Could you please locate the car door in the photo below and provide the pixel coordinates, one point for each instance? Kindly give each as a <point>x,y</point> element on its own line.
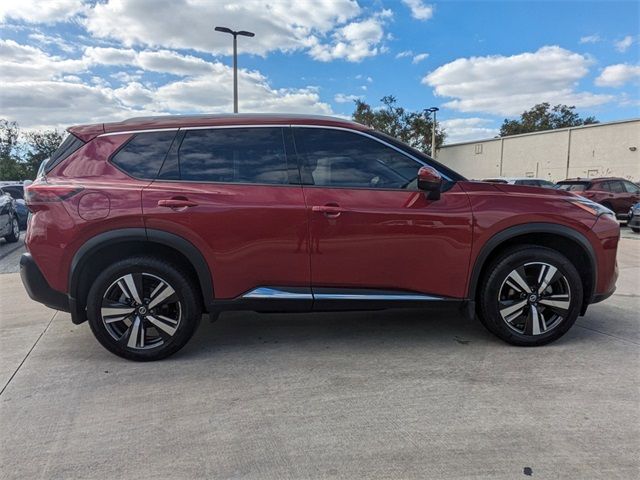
<point>372,232</point>
<point>233,194</point>
<point>616,196</point>
<point>632,194</point>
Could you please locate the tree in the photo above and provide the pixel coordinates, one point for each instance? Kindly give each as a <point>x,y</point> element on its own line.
<point>21,154</point>
<point>413,128</point>
<point>41,144</point>
<point>544,117</point>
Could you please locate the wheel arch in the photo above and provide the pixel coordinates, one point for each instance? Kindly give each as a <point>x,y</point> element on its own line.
<point>99,251</point>
<point>558,237</point>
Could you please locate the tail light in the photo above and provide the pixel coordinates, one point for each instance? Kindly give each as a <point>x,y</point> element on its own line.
<point>38,195</point>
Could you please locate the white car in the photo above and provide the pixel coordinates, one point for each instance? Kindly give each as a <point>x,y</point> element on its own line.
<point>526,181</point>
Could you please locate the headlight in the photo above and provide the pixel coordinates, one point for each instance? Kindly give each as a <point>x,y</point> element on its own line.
<point>592,207</point>
<point>635,210</point>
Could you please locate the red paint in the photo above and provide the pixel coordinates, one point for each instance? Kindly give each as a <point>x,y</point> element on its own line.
<point>292,235</point>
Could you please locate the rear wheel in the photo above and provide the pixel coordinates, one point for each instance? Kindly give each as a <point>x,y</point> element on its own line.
<point>531,296</point>
<point>14,235</point>
<point>143,308</point>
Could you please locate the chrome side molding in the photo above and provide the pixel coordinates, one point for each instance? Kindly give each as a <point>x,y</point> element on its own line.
<point>299,294</point>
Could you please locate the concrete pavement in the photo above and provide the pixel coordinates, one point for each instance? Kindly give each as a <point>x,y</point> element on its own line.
<point>361,395</point>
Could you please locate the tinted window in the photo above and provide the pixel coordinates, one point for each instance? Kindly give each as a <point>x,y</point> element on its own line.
<point>573,187</point>
<point>345,159</point>
<point>528,183</point>
<point>234,155</point>
<point>15,191</point>
<point>616,187</point>
<point>631,187</point>
<point>143,155</point>
<point>68,146</point>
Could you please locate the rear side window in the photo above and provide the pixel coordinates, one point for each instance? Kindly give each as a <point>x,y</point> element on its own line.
<point>142,156</point>
<point>616,187</point>
<point>68,146</point>
<point>234,155</point>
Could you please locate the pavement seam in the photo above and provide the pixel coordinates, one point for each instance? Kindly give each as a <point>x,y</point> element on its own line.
<point>608,335</point>
<point>28,353</point>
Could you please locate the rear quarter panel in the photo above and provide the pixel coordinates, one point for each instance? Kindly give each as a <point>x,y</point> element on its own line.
<point>109,200</point>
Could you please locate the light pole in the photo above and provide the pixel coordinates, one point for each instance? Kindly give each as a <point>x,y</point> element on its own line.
<point>433,131</point>
<point>235,59</point>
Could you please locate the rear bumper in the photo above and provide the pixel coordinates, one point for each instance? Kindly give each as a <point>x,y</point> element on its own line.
<point>37,286</point>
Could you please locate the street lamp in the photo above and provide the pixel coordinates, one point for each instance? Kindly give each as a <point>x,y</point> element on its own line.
<point>235,59</point>
<point>433,131</point>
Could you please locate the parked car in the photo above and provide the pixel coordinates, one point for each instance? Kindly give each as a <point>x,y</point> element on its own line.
<point>617,194</point>
<point>9,228</point>
<point>528,182</point>
<point>17,192</point>
<point>139,226</point>
<point>634,218</point>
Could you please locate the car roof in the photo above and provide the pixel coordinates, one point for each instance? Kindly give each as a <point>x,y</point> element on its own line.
<point>513,179</point>
<point>87,132</point>
<point>590,180</point>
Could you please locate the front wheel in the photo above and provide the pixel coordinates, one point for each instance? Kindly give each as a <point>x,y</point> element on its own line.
<point>143,308</point>
<point>531,296</point>
<point>14,235</point>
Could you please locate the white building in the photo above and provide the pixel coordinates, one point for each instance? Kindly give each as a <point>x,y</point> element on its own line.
<point>601,150</point>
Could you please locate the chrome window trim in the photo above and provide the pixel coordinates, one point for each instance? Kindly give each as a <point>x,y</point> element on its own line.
<point>326,127</point>
<point>130,132</point>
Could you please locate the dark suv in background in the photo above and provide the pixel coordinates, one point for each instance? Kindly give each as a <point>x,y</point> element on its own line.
<point>617,194</point>
<point>140,226</point>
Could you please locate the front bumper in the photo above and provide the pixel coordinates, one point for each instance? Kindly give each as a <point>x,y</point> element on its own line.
<point>634,222</point>
<point>37,286</point>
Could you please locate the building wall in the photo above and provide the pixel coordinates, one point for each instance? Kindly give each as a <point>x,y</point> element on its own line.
<point>594,151</point>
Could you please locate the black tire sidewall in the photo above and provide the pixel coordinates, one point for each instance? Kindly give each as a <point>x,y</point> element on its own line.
<point>498,272</point>
<point>179,281</point>
<point>11,237</point>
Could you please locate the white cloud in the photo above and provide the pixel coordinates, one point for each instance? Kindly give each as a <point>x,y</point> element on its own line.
<point>419,10</point>
<point>55,40</point>
<point>354,42</point>
<point>509,85</point>
<point>624,44</point>
<point>591,39</point>
<point>286,25</point>
<point>420,57</point>
<point>41,91</point>
<point>39,11</point>
<point>618,75</point>
<point>404,54</point>
<point>464,129</point>
<point>343,98</point>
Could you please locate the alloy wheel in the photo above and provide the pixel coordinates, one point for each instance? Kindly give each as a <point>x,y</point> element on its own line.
<point>534,298</point>
<point>141,311</point>
<point>16,227</point>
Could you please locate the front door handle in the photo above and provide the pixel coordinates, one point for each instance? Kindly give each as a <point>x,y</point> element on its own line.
<point>330,210</point>
<point>177,203</point>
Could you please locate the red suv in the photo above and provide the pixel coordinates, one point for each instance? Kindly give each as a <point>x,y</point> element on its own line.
<point>140,226</point>
<point>617,194</point>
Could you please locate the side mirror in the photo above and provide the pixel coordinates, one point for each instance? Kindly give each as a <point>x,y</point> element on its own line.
<point>430,181</point>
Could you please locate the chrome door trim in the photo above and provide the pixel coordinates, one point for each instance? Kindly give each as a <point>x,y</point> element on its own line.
<point>276,294</point>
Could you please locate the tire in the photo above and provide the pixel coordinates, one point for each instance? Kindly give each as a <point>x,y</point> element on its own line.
<point>540,314</point>
<point>143,308</point>
<point>635,229</point>
<point>14,236</point>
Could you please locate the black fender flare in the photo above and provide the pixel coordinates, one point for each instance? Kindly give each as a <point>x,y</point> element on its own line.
<point>185,247</point>
<point>528,228</point>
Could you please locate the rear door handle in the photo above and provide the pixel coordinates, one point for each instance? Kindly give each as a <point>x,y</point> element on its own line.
<point>177,203</point>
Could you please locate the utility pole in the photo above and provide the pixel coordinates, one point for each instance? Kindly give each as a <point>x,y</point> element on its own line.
<point>433,131</point>
<point>235,34</point>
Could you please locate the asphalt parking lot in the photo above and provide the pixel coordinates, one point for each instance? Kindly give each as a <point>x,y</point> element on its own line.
<point>390,394</point>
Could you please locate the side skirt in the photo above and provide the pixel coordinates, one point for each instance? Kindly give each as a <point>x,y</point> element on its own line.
<point>301,299</point>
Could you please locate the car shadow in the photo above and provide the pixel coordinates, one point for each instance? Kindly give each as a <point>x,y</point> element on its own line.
<point>318,331</point>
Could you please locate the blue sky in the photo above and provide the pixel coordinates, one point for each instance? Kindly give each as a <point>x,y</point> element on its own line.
<point>64,62</point>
